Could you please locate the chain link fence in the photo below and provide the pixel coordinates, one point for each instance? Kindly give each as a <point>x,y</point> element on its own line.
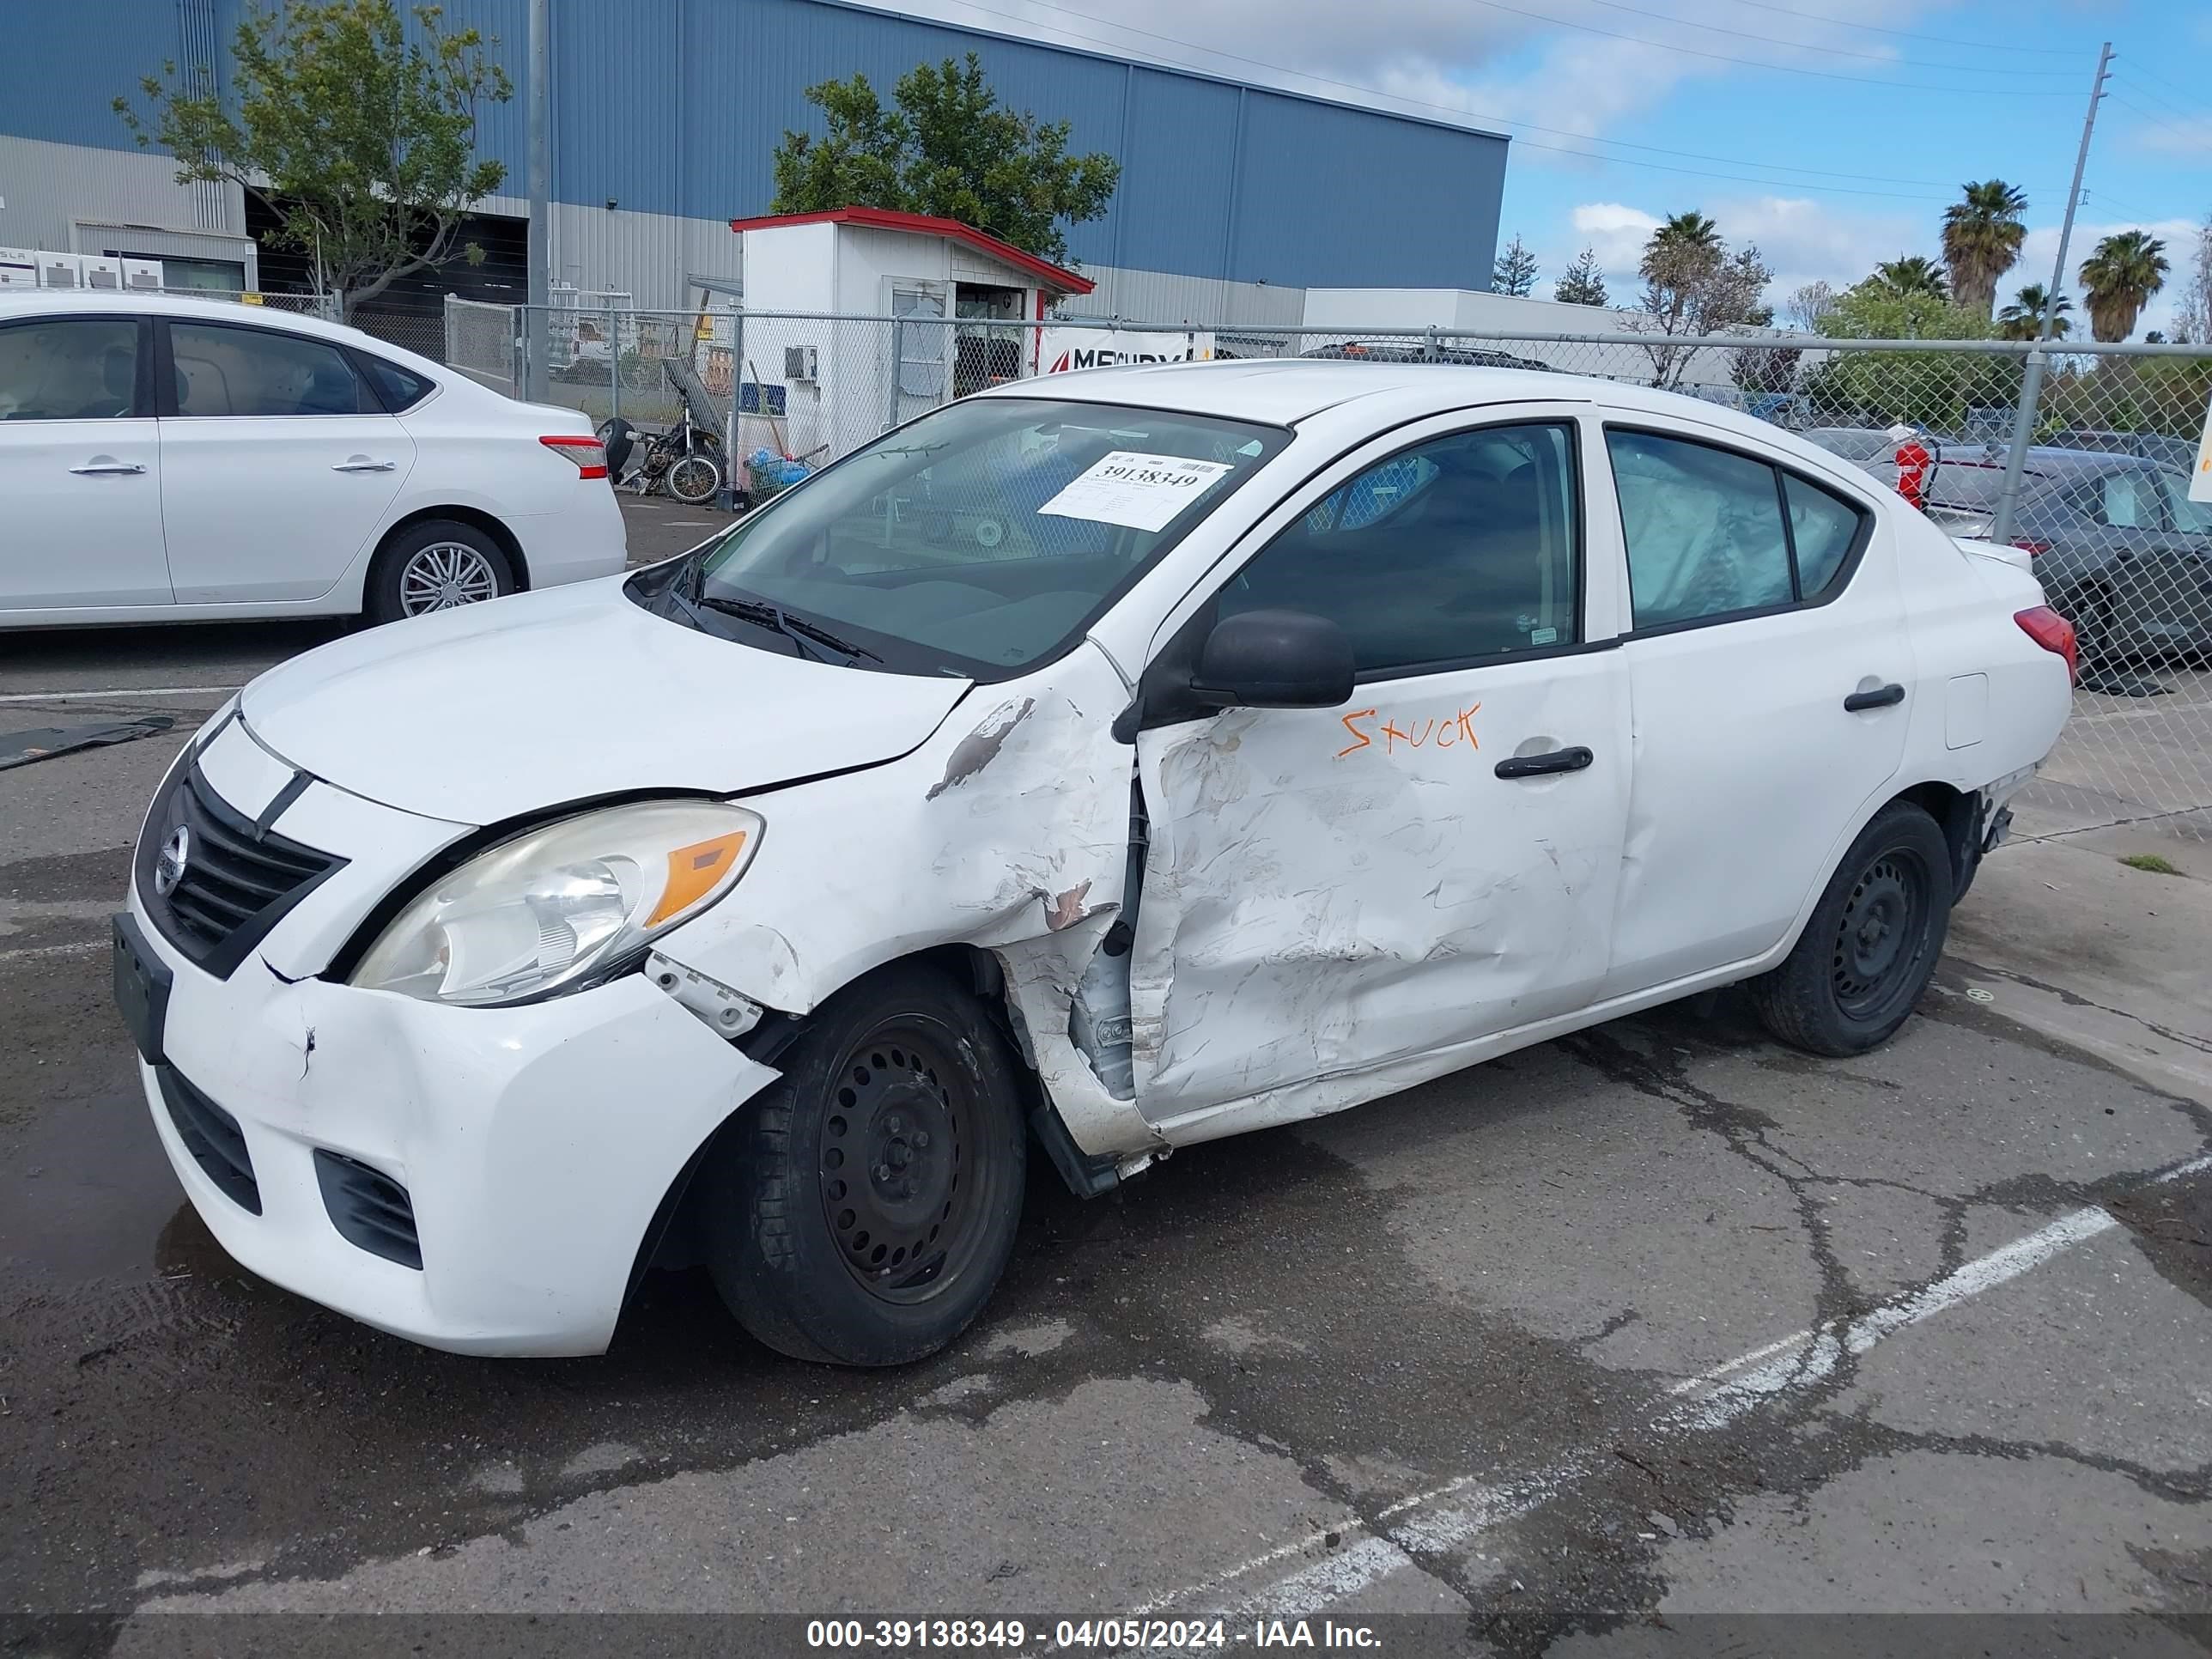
<point>2097,495</point>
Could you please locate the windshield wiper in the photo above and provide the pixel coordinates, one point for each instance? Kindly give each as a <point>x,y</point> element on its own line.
<point>797,629</point>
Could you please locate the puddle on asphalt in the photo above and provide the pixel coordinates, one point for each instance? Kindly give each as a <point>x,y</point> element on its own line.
<point>88,1195</point>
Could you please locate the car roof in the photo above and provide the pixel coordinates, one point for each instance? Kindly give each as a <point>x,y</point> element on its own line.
<point>1286,389</point>
<point>84,302</point>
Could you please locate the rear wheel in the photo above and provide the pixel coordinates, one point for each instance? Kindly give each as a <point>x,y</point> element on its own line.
<point>864,1212</point>
<point>1871,946</point>
<point>436,565</point>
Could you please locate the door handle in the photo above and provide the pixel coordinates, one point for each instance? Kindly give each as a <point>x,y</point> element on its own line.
<point>1887,697</point>
<point>104,469</point>
<point>1541,765</point>
<point>363,463</point>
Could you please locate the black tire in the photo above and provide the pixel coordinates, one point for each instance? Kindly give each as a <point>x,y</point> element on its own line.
<point>1872,944</point>
<point>384,595</point>
<point>862,1209</point>
<point>694,478</point>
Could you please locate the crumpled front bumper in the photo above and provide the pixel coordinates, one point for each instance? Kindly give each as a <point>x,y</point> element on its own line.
<point>533,1144</point>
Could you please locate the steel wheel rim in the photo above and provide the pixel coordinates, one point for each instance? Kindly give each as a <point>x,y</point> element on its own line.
<point>1881,937</point>
<point>684,467</point>
<point>900,1191</point>
<point>444,575</point>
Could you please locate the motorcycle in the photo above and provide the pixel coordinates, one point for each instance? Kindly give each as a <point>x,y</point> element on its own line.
<point>685,460</point>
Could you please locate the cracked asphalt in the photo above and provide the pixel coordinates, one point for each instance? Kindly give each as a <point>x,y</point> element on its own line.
<point>1613,1341</point>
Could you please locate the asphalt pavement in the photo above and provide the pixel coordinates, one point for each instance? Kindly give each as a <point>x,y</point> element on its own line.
<point>1584,1351</point>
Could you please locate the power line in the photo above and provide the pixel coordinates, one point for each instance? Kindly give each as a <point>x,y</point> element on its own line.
<point>1500,121</point>
<point>2167,104</point>
<point>1907,34</point>
<point>2158,120</point>
<point>1780,69</point>
<point>2187,97</point>
<point>1827,51</point>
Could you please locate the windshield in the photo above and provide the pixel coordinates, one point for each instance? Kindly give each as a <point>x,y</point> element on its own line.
<point>978,540</point>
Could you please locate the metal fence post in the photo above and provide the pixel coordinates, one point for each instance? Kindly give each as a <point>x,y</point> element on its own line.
<point>2023,432</point>
<point>898,371</point>
<point>613,363</point>
<point>730,459</point>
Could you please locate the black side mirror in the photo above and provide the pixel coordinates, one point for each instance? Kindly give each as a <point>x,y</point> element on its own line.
<point>1274,660</point>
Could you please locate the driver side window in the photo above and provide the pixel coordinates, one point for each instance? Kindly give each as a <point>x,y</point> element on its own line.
<point>1463,548</point>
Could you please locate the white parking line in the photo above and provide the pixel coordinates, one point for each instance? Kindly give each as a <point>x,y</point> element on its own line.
<point>1794,1363</point>
<point>122,694</point>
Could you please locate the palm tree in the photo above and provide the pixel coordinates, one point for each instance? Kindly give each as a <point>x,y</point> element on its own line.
<point>1683,234</point>
<point>1982,235</point>
<point>2023,319</point>
<point>2119,279</point>
<point>1909,275</point>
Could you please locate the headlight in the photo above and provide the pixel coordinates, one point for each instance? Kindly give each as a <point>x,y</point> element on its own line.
<point>539,914</point>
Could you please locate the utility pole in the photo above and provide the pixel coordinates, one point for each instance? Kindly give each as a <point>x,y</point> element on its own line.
<point>536,327</point>
<point>2031,390</point>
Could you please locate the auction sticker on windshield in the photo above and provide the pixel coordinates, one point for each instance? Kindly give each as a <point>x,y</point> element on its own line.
<point>1141,491</point>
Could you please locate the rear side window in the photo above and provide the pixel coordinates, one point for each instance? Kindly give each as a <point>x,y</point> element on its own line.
<point>226,371</point>
<point>71,368</point>
<point>1712,533</point>
<point>399,388</point>
<point>2123,500</point>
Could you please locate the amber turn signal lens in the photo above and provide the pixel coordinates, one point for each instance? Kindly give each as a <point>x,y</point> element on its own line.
<point>694,872</point>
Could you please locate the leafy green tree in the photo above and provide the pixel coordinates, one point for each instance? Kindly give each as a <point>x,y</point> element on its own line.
<point>1982,238</point>
<point>1937,389</point>
<point>2119,277</point>
<point>947,148</point>
<point>362,144</point>
<point>2023,319</point>
<point>1514,271</point>
<point>1582,283</point>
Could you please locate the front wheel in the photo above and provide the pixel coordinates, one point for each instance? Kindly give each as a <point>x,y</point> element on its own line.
<point>1871,946</point>
<point>693,479</point>
<point>863,1210</point>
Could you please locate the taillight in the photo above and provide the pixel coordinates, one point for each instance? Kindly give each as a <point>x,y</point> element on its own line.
<point>589,454</point>
<point>2054,633</point>
<point>2030,546</point>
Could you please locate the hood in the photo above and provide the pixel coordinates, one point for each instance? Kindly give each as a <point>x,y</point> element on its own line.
<point>483,713</point>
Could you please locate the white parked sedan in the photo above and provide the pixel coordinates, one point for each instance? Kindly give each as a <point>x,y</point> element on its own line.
<point>172,460</point>
<point>1310,729</point>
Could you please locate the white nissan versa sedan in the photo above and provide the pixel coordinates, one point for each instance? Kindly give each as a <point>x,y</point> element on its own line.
<point>1312,729</point>
<point>176,461</point>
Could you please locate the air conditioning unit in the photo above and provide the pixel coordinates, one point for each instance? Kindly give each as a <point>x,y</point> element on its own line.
<point>61,269</point>
<point>801,363</point>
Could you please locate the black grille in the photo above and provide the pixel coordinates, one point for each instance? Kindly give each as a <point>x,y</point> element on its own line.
<point>239,878</point>
<point>212,1136</point>
<point>369,1208</point>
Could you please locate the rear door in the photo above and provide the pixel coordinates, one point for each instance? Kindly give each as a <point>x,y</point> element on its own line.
<point>279,463</point>
<point>1772,682</point>
<point>1328,890</point>
<point>79,466</point>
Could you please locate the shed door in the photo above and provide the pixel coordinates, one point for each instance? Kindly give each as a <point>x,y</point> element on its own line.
<point>919,378</point>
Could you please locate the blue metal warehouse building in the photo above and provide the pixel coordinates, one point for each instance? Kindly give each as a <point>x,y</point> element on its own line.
<point>1233,199</point>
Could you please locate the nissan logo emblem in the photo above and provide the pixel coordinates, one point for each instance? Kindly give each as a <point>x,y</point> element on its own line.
<point>175,857</point>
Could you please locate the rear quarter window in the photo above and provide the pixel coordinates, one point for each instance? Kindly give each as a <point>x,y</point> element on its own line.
<point>398,388</point>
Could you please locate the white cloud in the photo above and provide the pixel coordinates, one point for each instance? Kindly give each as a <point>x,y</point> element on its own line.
<point>2176,135</point>
<point>1802,240</point>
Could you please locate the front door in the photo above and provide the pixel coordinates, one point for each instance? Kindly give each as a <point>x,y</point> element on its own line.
<point>1328,890</point>
<point>278,462</point>
<point>1772,680</point>
<point>80,467</point>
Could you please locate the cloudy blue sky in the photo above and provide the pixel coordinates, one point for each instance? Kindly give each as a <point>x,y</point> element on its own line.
<point>1831,143</point>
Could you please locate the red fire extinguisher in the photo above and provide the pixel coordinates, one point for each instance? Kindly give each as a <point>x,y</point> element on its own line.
<point>1912,462</point>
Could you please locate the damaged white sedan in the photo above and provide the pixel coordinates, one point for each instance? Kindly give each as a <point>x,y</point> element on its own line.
<point>1190,749</point>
